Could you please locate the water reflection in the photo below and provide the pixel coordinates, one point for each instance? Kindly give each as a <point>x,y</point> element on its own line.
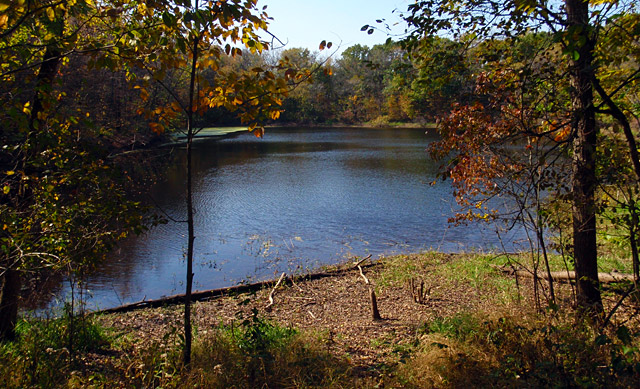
<point>297,199</point>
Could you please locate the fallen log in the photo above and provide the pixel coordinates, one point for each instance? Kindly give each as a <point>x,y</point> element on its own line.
<point>566,275</point>
<point>221,292</point>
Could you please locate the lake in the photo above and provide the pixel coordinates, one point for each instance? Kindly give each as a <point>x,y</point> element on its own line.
<point>293,201</point>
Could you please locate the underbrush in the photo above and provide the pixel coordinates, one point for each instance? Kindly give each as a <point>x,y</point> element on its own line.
<point>504,341</point>
<point>527,350</point>
<point>496,339</point>
<point>258,354</point>
<point>47,351</point>
<point>250,353</point>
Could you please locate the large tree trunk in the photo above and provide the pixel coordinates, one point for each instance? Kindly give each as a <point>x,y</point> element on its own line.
<point>10,285</point>
<point>584,159</point>
<point>11,282</point>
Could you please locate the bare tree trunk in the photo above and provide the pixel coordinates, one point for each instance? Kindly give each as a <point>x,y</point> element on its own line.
<point>584,159</point>
<point>190,222</point>
<point>633,238</point>
<point>12,280</point>
<point>9,297</point>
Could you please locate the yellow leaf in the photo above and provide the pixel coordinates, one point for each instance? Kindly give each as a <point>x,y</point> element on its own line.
<point>4,19</point>
<point>51,14</point>
<point>10,173</point>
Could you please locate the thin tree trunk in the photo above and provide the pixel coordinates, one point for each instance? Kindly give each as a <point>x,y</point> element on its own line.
<point>584,160</point>
<point>191,233</point>
<point>633,238</point>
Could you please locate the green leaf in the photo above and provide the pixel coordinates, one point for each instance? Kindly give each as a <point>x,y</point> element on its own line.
<point>182,46</point>
<point>166,18</point>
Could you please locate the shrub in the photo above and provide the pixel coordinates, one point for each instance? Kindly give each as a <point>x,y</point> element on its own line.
<point>44,352</point>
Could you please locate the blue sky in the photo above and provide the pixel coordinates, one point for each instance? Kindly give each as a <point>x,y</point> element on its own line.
<point>305,23</point>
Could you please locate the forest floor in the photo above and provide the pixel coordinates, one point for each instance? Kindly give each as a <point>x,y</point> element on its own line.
<point>339,309</point>
<point>475,325</point>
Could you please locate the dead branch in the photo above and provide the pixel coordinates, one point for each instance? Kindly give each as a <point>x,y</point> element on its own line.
<point>221,292</point>
<point>375,314</point>
<point>566,275</point>
<point>293,281</point>
<point>357,264</point>
<point>618,304</point>
<point>273,291</point>
<point>366,280</point>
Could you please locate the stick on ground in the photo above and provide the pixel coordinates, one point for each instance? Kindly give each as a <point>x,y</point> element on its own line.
<point>273,291</point>
<point>375,314</point>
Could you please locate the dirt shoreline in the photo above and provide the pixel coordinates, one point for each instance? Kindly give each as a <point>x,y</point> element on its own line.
<point>337,307</point>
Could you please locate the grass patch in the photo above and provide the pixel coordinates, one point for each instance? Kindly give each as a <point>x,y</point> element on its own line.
<point>432,268</point>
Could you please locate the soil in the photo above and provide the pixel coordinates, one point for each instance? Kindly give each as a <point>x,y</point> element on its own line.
<point>338,307</point>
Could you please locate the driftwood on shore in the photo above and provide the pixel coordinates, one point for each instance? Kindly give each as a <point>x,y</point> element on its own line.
<point>375,314</point>
<point>565,276</point>
<point>221,292</point>
<point>273,291</point>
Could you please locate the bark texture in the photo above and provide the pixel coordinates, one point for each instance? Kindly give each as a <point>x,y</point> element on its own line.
<point>9,297</point>
<point>584,157</point>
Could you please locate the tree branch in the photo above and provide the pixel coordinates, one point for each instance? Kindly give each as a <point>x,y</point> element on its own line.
<point>617,114</point>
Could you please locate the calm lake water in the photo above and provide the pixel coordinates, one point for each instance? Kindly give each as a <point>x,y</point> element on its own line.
<point>293,201</point>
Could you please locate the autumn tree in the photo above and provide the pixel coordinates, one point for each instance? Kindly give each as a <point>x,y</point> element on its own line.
<point>61,205</point>
<point>518,105</point>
